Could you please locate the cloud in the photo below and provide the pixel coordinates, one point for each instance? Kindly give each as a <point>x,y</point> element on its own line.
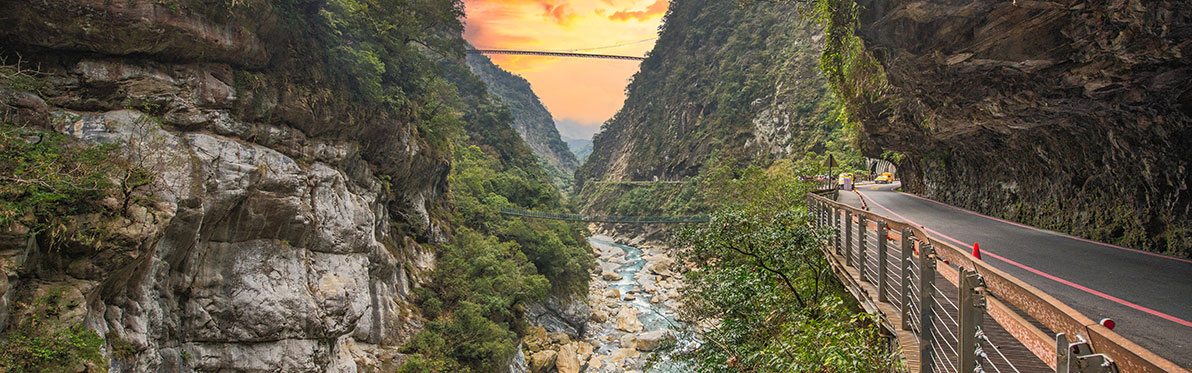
<point>559,13</point>
<point>652,12</point>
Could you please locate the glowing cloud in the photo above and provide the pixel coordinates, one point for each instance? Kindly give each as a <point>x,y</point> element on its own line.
<point>561,13</point>
<point>653,12</point>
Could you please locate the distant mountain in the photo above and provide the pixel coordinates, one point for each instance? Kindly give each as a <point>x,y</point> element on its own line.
<point>531,120</point>
<point>580,147</point>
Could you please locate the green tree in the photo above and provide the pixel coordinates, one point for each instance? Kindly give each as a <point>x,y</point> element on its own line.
<point>765,284</point>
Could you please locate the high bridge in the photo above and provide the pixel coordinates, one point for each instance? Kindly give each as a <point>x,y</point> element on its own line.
<point>555,54</point>
<point>1033,300</point>
<point>606,219</point>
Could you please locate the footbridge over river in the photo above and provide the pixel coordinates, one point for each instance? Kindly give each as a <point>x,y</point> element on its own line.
<point>606,219</point>
<point>1027,300</point>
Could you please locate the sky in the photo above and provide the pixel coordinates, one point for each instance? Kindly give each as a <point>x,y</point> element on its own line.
<point>580,93</point>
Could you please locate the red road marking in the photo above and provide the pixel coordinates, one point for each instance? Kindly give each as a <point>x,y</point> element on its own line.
<point>1049,276</point>
<point>1046,231</point>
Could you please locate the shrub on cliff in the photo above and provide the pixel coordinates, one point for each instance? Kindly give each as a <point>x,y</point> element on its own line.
<point>763,278</point>
<point>39,341</point>
<point>470,305</point>
<point>47,180</point>
<point>494,264</point>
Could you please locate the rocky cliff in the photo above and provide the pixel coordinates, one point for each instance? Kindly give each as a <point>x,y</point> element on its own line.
<point>531,120</point>
<point>1071,115</point>
<point>724,81</point>
<point>284,181</point>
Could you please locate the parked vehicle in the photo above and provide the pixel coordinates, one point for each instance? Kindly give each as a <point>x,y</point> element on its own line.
<point>884,178</point>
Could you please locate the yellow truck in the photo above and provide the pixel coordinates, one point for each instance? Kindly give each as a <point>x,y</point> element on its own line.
<point>884,178</point>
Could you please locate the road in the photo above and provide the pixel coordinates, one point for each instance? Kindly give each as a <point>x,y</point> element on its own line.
<point>1148,295</point>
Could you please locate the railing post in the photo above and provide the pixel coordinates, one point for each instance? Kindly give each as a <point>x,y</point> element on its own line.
<point>848,235</point>
<point>839,228</point>
<point>815,213</point>
<point>881,261</point>
<point>821,215</point>
<point>908,248</point>
<point>1061,353</point>
<point>835,212</point>
<point>926,298</point>
<point>861,247</point>
<point>1078,357</point>
<point>972,311</point>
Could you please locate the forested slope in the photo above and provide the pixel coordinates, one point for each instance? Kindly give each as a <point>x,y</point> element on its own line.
<point>531,120</point>
<point>724,80</point>
<point>726,84</point>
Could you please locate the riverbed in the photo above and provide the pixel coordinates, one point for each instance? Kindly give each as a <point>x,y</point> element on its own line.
<point>634,298</point>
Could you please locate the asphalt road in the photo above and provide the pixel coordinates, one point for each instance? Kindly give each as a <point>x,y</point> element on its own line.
<point>1148,295</point>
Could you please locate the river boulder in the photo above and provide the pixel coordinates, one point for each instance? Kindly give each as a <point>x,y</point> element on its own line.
<point>627,320</point>
<point>653,340</point>
<point>542,361</point>
<point>567,360</point>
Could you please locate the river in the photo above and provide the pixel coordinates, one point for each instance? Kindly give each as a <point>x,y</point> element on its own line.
<point>647,288</point>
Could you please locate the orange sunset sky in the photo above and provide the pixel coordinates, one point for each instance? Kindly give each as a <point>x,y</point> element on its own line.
<point>580,93</point>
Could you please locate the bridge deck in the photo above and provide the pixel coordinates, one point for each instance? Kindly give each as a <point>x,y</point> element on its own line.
<point>607,219</point>
<point>946,294</point>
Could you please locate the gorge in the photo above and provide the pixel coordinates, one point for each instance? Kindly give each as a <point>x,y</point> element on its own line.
<point>319,185</point>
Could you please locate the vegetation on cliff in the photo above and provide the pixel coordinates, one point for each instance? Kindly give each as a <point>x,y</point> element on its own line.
<point>38,341</point>
<point>496,264</point>
<point>724,81</point>
<point>697,195</point>
<point>531,120</point>
<point>48,179</point>
<point>762,276</point>
<point>51,187</point>
<point>728,85</point>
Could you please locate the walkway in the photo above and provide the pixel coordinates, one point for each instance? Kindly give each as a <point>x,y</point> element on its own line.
<point>1149,296</point>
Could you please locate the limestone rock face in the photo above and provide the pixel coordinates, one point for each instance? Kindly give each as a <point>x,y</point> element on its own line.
<point>560,314</point>
<point>1069,115</point>
<point>270,245</point>
<point>518,363</point>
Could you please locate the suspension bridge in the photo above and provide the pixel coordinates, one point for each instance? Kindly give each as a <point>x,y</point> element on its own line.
<point>606,219</point>
<point>555,54</point>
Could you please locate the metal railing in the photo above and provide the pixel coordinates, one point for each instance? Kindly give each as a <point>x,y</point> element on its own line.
<point>953,313</point>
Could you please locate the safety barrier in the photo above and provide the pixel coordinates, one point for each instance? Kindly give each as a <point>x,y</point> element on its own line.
<point>953,313</point>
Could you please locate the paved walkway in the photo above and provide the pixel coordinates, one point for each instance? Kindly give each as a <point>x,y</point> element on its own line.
<point>1148,295</point>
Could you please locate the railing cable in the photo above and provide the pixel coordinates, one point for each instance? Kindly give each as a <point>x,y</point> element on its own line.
<point>981,335</point>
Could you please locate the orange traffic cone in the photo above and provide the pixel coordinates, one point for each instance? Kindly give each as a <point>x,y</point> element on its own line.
<point>976,250</point>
